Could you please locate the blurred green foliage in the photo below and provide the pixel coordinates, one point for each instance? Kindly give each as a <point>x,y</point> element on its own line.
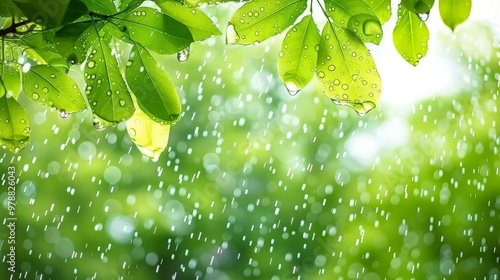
<point>257,184</point>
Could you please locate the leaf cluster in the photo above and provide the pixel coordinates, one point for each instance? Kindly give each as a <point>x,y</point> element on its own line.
<point>338,56</point>
<point>116,43</point>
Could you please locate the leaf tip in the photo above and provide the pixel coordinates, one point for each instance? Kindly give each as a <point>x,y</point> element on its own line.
<point>232,36</point>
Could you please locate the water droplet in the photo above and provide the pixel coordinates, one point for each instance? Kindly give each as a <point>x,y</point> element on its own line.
<point>35,96</point>
<point>292,88</point>
<point>372,27</point>
<point>72,59</point>
<point>423,16</point>
<point>63,114</point>
<point>174,117</point>
<point>364,107</point>
<point>122,102</point>
<point>98,125</point>
<point>132,132</point>
<point>91,64</point>
<point>231,35</point>
<point>336,102</point>
<point>183,55</point>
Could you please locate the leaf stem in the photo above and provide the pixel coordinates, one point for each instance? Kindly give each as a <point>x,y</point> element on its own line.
<point>329,20</point>
<point>3,68</point>
<point>3,56</point>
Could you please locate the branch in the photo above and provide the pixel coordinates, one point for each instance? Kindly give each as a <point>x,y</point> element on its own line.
<point>13,27</point>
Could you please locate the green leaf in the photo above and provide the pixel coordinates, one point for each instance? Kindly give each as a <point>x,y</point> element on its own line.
<point>41,51</point>
<point>10,81</point>
<point>410,36</point>
<point>298,56</point>
<point>68,41</point>
<point>260,19</point>
<point>46,85</point>
<point>14,124</point>
<point>9,9</point>
<point>155,93</point>
<point>150,137</point>
<point>103,7</point>
<point>156,31</point>
<point>454,12</point>
<point>11,77</point>
<point>382,8</point>
<point>51,13</point>
<point>198,23</point>
<point>418,6</point>
<point>194,3</point>
<point>356,16</point>
<point>104,86</point>
<point>346,70</point>
<point>129,4</point>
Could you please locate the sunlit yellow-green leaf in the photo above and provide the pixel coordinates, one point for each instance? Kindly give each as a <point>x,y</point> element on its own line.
<point>150,137</point>
<point>194,3</point>
<point>346,70</point>
<point>410,36</point>
<point>356,16</point>
<point>298,56</point>
<point>200,25</point>
<point>46,85</point>
<point>260,19</point>
<point>454,12</point>
<point>14,124</point>
<point>382,8</point>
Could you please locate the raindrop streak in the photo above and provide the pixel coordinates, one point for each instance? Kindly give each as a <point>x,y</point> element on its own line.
<point>423,16</point>
<point>231,35</point>
<point>183,55</point>
<point>63,114</point>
